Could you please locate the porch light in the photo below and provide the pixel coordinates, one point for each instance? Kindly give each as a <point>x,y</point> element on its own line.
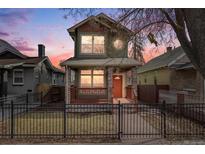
<point>117,78</point>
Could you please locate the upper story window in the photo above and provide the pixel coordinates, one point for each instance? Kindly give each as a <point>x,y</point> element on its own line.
<point>18,77</point>
<point>92,44</point>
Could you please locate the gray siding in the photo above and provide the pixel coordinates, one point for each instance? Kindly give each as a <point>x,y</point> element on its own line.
<point>28,82</point>
<point>42,74</point>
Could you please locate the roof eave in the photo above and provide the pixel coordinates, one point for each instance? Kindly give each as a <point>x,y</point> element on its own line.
<point>144,71</point>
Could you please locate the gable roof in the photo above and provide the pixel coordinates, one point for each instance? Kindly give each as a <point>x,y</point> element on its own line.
<point>23,60</point>
<point>114,21</point>
<point>9,63</point>
<point>164,60</point>
<point>57,70</point>
<point>6,47</point>
<point>96,18</point>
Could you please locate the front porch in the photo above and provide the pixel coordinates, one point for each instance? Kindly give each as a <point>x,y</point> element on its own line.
<point>94,96</point>
<point>101,81</point>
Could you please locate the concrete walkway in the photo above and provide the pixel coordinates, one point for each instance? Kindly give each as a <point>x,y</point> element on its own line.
<point>122,101</point>
<point>135,126</point>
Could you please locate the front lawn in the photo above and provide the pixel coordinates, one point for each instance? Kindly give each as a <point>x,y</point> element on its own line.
<point>47,123</point>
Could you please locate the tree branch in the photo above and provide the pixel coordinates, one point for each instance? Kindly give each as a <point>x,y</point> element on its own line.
<point>150,24</point>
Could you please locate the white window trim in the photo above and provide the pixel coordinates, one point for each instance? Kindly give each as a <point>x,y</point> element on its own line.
<point>92,53</point>
<point>14,77</point>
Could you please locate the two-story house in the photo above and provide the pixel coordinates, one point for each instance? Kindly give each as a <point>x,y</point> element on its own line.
<point>101,64</point>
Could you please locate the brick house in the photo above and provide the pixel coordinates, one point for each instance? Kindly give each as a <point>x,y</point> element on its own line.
<point>171,71</point>
<point>101,63</point>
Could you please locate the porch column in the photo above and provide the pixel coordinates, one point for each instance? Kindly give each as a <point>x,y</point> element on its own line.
<point>134,79</point>
<point>1,82</point>
<point>67,85</point>
<point>110,84</point>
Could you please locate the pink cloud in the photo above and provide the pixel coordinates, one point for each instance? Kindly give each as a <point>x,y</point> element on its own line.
<point>56,59</point>
<point>3,34</point>
<point>151,52</point>
<point>23,45</point>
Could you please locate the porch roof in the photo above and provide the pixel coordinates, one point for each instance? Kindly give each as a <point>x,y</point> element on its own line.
<point>120,62</point>
<point>9,63</point>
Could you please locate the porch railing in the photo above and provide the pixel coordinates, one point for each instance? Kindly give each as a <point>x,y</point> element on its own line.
<point>92,91</point>
<point>87,91</point>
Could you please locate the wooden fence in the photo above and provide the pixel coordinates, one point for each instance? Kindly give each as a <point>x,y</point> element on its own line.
<point>150,93</point>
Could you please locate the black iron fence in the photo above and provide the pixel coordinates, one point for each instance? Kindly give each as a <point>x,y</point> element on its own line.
<point>102,120</point>
<point>28,98</point>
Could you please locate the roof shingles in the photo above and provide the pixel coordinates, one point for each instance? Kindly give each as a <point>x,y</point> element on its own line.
<point>162,60</point>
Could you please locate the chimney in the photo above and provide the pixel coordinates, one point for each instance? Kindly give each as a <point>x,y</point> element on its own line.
<point>41,50</point>
<point>169,49</point>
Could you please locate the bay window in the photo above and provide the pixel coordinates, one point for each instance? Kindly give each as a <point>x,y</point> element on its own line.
<point>92,78</point>
<point>92,44</point>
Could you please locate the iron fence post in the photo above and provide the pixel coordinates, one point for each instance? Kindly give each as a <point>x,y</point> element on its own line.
<point>2,114</point>
<point>26,102</point>
<point>12,119</point>
<point>119,120</point>
<point>164,118</point>
<point>64,122</point>
<point>41,99</point>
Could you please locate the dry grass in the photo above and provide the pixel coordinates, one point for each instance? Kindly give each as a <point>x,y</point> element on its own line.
<point>177,126</point>
<point>47,123</point>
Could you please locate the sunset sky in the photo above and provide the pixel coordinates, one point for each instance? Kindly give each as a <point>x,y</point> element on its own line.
<point>26,28</point>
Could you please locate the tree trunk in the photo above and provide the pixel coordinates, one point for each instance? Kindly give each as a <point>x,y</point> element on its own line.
<point>192,40</point>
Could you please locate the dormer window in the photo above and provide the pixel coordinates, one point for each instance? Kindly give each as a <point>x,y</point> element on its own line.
<point>92,44</point>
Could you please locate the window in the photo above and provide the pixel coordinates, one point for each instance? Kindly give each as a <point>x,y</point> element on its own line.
<point>18,77</point>
<point>91,78</point>
<point>54,78</point>
<point>72,77</point>
<point>129,78</point>
<point>91,44</point>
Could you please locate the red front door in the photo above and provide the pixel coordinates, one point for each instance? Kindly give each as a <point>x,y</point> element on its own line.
<point>117,86</point>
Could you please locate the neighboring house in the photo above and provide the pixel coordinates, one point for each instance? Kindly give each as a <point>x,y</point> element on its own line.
<point>101,64</point>
<point>20,74</point>
<point>172,70</point>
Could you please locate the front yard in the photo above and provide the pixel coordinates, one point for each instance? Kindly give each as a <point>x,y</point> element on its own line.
<point>176,125</point>
<point>52,123</point>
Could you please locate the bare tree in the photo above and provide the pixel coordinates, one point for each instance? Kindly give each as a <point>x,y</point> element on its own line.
<point>166,26</point>
<point>136,49</point>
